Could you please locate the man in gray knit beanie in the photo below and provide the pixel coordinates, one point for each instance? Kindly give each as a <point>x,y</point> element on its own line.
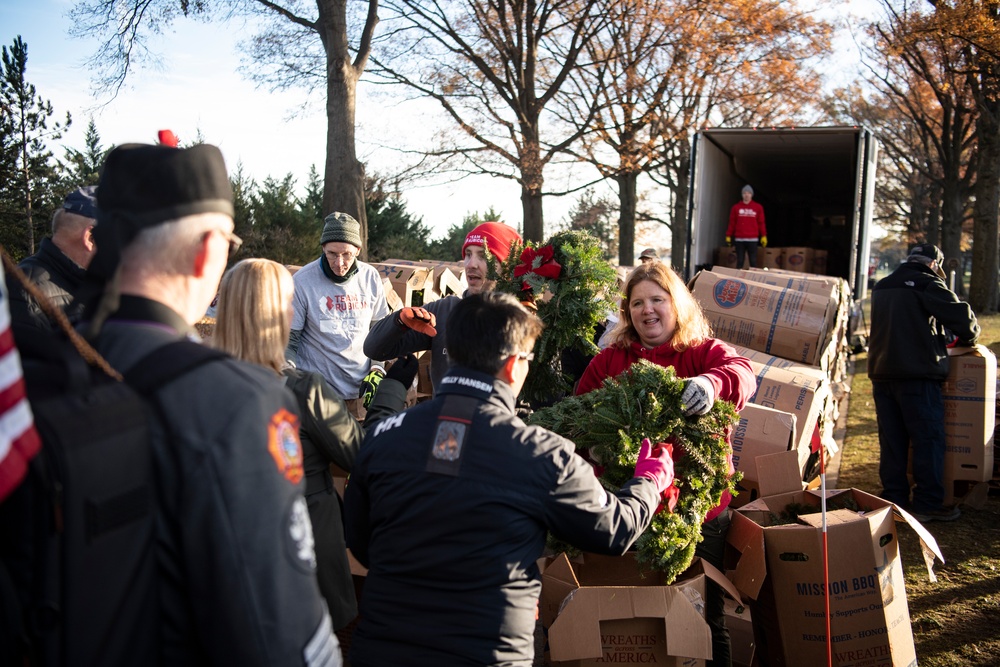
<point>337,297</point>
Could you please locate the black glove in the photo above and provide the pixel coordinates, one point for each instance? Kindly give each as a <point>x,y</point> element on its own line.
<point>403,370</point>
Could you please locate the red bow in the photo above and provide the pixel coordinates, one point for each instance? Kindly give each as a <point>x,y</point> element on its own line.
<point>538,262</point>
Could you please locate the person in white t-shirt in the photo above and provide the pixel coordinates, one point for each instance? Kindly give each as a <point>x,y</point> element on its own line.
<point>337,297</point>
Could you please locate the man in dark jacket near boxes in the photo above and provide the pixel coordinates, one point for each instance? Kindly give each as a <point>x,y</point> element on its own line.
<point>449,503</point>
<point>914,315</point>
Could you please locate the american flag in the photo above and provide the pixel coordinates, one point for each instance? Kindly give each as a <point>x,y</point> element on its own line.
<point>19,441</point>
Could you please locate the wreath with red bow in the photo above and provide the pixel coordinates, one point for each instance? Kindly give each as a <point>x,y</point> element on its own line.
<point>573,288</point>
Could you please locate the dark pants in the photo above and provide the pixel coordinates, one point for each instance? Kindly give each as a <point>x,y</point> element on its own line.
<point>712,548</point>
<point>742,249</point>
<point>911,412</point>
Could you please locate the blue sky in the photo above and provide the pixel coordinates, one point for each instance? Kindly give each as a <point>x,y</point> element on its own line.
<point>199,89</point>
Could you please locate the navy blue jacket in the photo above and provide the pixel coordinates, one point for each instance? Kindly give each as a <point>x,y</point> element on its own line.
<point>450,516</point>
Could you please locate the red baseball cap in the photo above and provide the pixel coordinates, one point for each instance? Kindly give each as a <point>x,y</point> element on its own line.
<point>495,237</point>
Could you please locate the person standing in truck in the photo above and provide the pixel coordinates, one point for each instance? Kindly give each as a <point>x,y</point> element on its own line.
<point>746,228</point>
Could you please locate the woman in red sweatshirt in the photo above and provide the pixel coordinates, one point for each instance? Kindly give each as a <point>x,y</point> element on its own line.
<point>660,321</point>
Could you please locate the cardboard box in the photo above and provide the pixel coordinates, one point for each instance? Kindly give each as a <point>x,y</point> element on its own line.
<point>726,256</point>
<point>797,394</point>
<point>605,609</point>
<point>759,432</point>
<point>828,288</point>
<point>780,569</point>
<point>391,298</point>
<point>970,394</point>
<point>782,322</point>
<point>413,284</point>
<point>799,259</point>
<point>771,258</point>
<point>819,260</point>
<point>764,359</point>
<point>739,621</point>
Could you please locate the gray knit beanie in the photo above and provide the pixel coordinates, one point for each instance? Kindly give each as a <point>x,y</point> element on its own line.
<point>341,227</point>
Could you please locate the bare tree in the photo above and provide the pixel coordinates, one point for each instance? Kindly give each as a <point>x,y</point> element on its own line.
<point>494,67</point>
<point>922,75</point>
<point>669,68</point>
<point>301,44</point>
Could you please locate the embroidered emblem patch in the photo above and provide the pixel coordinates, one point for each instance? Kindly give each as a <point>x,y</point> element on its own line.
<point>283,443</point>
<point>448,440</point>
<point>300,530</point>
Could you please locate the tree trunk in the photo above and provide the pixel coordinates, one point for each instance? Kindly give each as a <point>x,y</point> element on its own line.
<point>344,176</point>
<point>678,226</point>
<point>531,184</point>
<point>626,217</point>
<point>983,288</point>
<point>951,228</point>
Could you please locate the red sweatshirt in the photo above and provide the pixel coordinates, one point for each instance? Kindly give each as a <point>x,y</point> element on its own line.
<point>746,222</point>
<point>729,373</point>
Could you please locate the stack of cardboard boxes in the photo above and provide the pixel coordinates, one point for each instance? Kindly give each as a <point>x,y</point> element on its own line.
<point>796,259</point>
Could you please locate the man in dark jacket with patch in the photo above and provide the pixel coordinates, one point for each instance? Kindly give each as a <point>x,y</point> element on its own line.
<point>449,503</point>
<point>914,315</point>
<point>236,578</point>
<point>60,263</point>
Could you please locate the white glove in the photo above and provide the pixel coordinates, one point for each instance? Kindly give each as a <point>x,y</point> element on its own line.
<point>698,396</point>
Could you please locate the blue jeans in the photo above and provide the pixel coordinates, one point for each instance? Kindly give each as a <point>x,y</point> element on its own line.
<point>911,412</point>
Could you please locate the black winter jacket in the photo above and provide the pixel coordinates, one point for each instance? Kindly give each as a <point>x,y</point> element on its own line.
<point>911,310</point>
<point>450,516</point>
<point>57,276</point>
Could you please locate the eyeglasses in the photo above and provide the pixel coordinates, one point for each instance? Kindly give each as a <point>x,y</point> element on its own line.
<point>234,241</point>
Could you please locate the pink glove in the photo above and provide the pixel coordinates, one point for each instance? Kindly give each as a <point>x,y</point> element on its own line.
<point>656,464</point>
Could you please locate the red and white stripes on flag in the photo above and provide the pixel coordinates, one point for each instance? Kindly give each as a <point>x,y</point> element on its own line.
<point>19,441</point>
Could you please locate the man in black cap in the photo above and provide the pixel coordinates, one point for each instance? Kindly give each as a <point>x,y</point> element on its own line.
<point>60,263</point>
<point>914,315</point>
<point>236,564</point>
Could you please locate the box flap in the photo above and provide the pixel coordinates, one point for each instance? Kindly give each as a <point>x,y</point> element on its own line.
<point>576,633</point>
<point>747,538</point>
<point>558,581</point>
<point>779,473</point>
<point>716,575</point>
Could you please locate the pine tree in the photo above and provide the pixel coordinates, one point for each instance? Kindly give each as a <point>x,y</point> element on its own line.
<point>29,173</point>
<point>84,167</point>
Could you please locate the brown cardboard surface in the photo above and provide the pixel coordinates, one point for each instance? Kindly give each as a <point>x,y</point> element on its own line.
<point>759,432</point>
<point>797,394</point>
<point>771,258</point>
<point>413,284</point>
<point>799,259</point>
<point>740,624</point>
<point>826,288</point>
<point>819,260</point>
<point>969,415</point>
<point>780,568</point>
<point>782,322</point>
<point>600,609</point>
<point>764,359</point>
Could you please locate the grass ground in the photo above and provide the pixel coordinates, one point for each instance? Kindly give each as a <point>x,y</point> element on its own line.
<point>956,621</point>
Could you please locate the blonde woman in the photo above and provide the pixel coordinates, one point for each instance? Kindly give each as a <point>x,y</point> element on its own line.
<point>253,321</point>
<point>660,321</point>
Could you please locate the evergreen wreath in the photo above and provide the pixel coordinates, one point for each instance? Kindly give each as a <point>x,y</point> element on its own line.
<point>573,289</point>
<point>609,424</point>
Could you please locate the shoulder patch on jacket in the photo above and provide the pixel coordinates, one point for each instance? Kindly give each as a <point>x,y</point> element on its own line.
<point>283,443</point>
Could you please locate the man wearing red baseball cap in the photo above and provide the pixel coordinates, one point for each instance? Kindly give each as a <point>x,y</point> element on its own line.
<point>413,329</point>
